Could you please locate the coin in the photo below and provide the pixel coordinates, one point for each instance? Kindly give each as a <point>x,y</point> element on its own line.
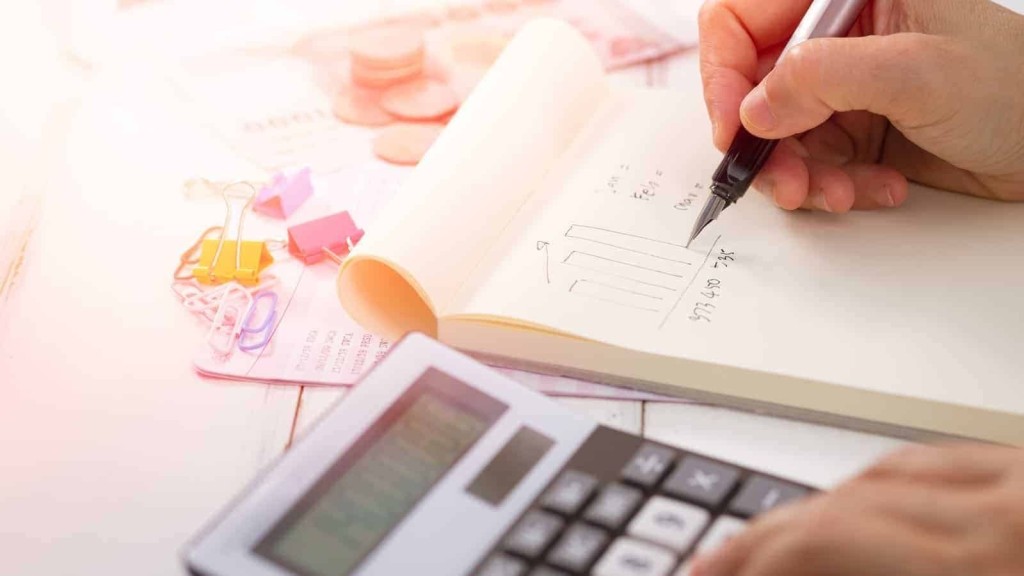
<point>387,46</point>
<point>420,99</point>
<point>375,77</point>
<point>360,107</point>
<point>406,143</point>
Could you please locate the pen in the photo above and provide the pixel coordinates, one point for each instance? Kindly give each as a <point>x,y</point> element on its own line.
<point>748,153</point>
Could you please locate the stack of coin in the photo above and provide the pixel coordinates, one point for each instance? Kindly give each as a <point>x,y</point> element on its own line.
<point>396,85</point>
<point>386,56</point>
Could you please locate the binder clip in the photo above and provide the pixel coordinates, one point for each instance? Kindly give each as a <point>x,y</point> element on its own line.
<point>222,260</point>
<point>331,237</point>
<point>283,195</point>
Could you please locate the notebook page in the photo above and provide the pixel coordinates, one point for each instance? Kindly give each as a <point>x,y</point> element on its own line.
<point>520,119</point>
<point>922,301</point>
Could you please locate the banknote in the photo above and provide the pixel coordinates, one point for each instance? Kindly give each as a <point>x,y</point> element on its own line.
<point>315,100</point>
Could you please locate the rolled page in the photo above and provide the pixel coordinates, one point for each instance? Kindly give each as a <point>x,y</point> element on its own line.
<point>524,114</point>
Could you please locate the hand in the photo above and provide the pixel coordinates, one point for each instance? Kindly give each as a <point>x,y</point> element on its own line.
<point>925,511</point>
<point>923,90</point>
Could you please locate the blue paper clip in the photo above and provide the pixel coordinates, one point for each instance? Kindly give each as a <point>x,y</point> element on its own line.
<point>266,327</point>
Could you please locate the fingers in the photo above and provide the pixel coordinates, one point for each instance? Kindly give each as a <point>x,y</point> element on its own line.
<point>859,530</point>
<point>887,75</point>
<point>732,33</point>
<point>966,463</point>
<point>729,560</point>
<point>793,179</point>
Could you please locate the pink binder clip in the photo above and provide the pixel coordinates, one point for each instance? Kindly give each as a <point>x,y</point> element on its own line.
<point>331,237</point>
<point>284,194</point>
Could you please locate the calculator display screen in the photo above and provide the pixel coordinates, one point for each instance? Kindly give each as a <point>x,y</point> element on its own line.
<point>375,484</point>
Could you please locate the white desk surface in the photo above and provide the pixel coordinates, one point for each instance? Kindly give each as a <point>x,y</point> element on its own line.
<point>114,451</point>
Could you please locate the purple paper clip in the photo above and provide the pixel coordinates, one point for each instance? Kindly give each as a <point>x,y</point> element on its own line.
<point>267,327</point>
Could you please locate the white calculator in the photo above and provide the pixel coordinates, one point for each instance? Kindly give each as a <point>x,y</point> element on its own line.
<point>437,465</point>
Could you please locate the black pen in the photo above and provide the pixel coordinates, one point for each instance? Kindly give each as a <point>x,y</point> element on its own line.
<point>748,153</point>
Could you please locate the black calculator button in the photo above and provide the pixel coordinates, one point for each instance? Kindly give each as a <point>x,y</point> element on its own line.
<point>569,492</point>
<point>503,565</point>
<point>578,548</point>
<point>533,534</point>
<point>614,506</point>
<point>760,494</point>
<point>630,557</point>
<point>648,465</point>
<point>546,571</point>
<point>669,523</point>
<point>702,481</point>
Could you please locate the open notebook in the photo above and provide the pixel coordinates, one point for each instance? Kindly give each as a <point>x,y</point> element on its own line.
<point>546,228</point>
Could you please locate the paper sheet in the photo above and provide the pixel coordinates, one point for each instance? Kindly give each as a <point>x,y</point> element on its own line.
<point>314,341</point>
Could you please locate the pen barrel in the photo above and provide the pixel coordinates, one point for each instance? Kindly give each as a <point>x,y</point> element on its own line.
<point>744,160</point>
<point>827,19</point>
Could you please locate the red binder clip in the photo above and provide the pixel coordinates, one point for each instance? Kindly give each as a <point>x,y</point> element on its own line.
<point>331,237</point>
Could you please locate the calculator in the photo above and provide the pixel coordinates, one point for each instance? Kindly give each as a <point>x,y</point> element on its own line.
<point>437,465</point>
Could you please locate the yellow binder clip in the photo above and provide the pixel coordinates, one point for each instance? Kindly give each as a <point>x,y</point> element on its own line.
<point>250,256</point>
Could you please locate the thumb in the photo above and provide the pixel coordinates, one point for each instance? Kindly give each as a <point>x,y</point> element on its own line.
<point>903,77</point>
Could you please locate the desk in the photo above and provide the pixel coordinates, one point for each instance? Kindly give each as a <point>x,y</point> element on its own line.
<point>114,450</point>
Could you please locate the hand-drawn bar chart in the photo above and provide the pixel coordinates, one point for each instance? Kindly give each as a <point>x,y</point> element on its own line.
<point>629,270</point>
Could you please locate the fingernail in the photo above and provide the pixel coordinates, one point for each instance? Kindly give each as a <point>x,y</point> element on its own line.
<point>820,201</point>
<point>756,112</point>
<point>886,196</point>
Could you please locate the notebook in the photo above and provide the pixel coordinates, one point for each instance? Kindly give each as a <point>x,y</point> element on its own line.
<point>547,226</point>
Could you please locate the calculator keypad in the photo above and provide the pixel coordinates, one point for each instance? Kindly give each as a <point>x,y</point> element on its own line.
<point>578,548</point>
<point>670,523</point>
<point>630,557</point>
<point>568,494</point>
<point>648,465</point>
<point>534,533</point>
<point>614,506</point>
<point>623,506</point>
<point>761,494</point>
<point>703,481</point>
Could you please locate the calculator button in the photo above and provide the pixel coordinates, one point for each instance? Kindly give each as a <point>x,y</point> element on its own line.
<point>761,494</point>
<point>577,549</point>
<point>613,506</point>
<point>648,465</point>
<point>629,557</point>
<point>702,481</point>
<point>534,533</point>
<point>723,530</point>
<point>568,494</point>
<point>547,571</point>
<point>670,523</point>
<point>502,565</point>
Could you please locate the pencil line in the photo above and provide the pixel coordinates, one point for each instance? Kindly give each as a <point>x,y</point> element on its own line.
<point>616,288</point>
<point>683,246</point>
<point>620,276</point>
<point>637,266</point>
<point>692,280</point>
<point>629,250</point>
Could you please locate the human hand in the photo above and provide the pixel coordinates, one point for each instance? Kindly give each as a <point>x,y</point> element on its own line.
<point>924,511</point>
<point>923,90</point>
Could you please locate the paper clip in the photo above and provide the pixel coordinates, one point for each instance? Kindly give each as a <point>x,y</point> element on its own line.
<point>266,328</point>
<point>284,194</point>
<point>227,323</point>
<point>250,256</point>
<point>191,256</point>
<point>331,237</point>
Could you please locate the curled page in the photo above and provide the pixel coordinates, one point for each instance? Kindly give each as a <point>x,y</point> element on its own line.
<point>525,113</point>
